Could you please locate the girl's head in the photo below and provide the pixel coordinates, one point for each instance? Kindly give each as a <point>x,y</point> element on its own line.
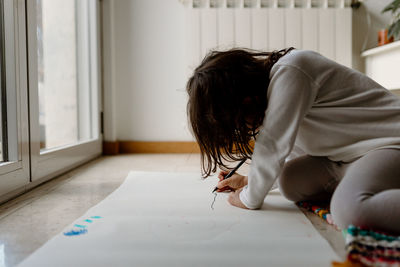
<point>227,102</point>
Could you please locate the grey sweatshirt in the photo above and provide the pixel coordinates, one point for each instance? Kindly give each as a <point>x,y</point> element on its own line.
<point>323,108</point>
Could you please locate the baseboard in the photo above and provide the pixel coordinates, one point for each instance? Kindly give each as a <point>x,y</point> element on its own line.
<point>124,147</point>
<point>110,148</point>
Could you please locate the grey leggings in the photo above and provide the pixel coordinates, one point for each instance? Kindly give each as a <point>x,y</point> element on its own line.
<point>365,192</point>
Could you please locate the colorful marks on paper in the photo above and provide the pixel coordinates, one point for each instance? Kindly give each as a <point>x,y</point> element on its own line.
<point>80,229</point>
<point>76,232</point>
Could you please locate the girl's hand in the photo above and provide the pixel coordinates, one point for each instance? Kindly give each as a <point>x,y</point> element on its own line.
<point>234,199</point>
<point>233,183</point>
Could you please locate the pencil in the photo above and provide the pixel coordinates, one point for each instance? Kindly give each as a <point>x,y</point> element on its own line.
<point>231,172</point>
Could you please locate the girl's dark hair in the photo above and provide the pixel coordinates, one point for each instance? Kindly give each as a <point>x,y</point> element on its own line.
<point>227,103</point>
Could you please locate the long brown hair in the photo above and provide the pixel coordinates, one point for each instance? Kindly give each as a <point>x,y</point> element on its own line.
<point>227,102</point>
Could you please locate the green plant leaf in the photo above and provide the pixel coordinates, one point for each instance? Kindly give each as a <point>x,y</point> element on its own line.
<point>393,6</point>
<point>387,8</point>
<point>394,30</point>
<point>396,5</point>
<point>397,30</point>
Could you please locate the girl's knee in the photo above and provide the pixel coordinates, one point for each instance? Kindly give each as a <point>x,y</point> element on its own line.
<point>346,210</point>
<point>339,216</point>
<point>287,182</point>
<point>305,178</point>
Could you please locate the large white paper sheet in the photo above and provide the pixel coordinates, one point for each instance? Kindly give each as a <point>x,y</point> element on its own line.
<point>165,219</point>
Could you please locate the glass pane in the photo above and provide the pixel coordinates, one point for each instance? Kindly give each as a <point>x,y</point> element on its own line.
<point>63,72</point>
<point>2,79</point>
<point>1,114</point>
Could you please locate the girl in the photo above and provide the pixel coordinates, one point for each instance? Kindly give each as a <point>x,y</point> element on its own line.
<point>347,125</point>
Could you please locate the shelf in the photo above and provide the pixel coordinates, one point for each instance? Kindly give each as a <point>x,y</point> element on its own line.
<point>380,49</point>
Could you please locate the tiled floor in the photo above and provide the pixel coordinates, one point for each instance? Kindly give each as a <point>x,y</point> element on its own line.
<point>30,220</point>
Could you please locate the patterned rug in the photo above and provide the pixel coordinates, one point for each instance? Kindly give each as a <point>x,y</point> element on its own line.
<point>364,247</point>
<point>319,208</point>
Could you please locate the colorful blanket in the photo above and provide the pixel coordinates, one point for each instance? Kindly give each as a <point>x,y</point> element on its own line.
<point>372,248</point>
<point>364,247</point>
<point>319,208</point>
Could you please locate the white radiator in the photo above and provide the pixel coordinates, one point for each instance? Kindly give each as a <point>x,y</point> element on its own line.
<point>320,25</point>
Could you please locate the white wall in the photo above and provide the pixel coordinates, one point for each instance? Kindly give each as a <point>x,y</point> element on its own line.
<point>144,42</point>
<point>149,75</point>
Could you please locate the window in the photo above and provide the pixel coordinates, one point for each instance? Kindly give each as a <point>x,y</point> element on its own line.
<point>2,73</point>
<point>64,84</point>
<point>52,47</point>
<point>14,165</point>
<point>63,79</point>
<point>2,86</point>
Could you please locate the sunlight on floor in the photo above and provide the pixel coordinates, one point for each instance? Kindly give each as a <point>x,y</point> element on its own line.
<point>2,256</point>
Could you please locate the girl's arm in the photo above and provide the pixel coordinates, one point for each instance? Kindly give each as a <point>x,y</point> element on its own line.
<point>291,94</point>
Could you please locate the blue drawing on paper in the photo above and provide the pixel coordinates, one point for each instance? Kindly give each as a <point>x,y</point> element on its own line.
<point>76,232</point>
<point>81,228</point>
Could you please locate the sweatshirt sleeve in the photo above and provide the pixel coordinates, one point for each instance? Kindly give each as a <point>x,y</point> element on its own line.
<point>291,93</point>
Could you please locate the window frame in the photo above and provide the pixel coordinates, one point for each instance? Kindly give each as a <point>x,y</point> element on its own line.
<point>49,163</point>
<point>14,173</point>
